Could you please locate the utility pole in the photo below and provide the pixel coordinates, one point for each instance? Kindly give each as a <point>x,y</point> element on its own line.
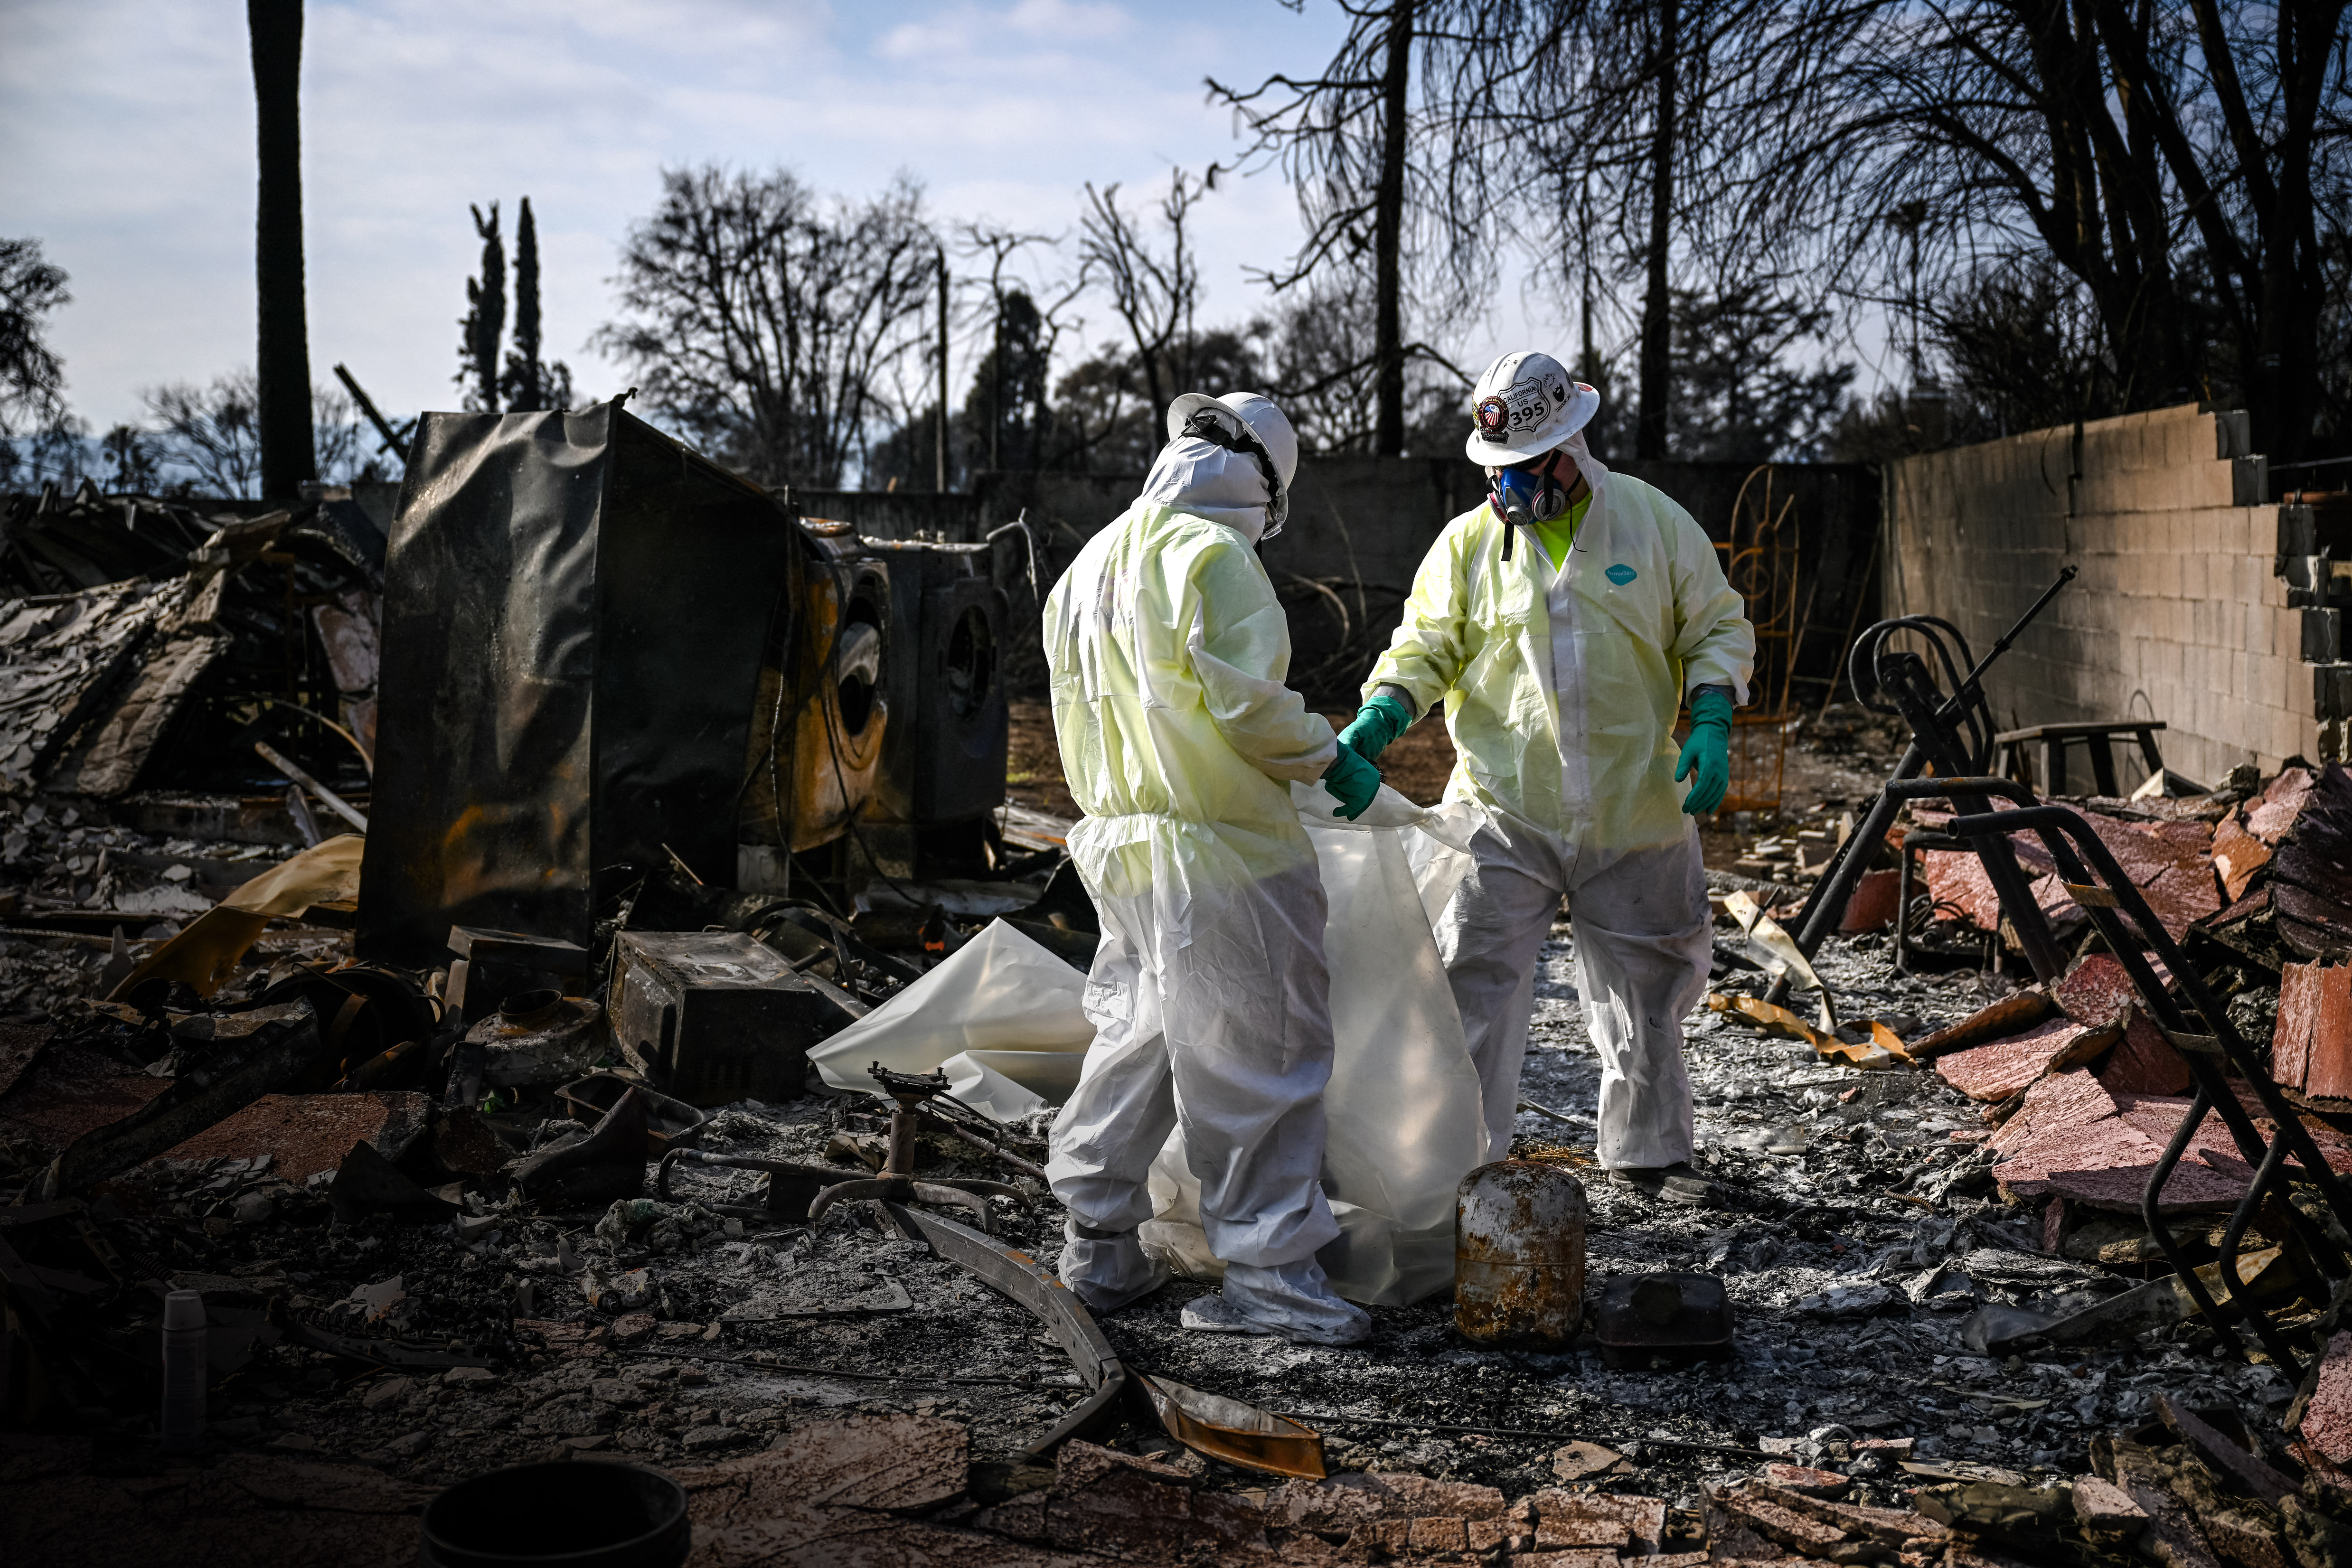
<point>282,333</point>
<point>940,449</point>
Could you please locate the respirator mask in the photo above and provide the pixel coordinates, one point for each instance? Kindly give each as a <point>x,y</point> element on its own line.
<point>1530,494</point>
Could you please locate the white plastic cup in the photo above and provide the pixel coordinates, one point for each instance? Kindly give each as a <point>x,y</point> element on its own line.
<point>184,1372</point>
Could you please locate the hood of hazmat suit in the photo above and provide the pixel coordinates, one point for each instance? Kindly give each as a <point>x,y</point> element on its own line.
<point>1167,650</point>
<point>1561,687</point>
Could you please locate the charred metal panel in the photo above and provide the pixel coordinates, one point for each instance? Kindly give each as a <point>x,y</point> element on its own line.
<point>574,609</point>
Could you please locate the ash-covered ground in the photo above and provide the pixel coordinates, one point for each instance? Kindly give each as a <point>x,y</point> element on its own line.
<point>1853,1237</point>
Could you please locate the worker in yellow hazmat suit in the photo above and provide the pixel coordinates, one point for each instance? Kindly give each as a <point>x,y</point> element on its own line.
<point>1208,994</point>
<point>1561,624</point>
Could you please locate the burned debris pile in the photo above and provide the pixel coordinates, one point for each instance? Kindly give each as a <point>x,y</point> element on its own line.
<point>659,1071</point>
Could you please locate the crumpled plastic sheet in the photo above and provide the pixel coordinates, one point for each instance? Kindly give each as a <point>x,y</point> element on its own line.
<point>1000,1017</point>
<point>207,951</point>
<point>1403,1107</point>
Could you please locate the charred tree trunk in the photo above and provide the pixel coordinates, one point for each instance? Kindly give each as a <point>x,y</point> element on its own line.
<point>1657,305</point>
<point>282,347</point>
<point>1388,239</point>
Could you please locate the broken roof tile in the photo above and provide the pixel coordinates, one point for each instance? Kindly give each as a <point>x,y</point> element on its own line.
<point>2096,991</point>
<point>2143,1063</point>
<point>2057,1102</point>
<point>2311,1049</point>
<point>2311,875</point>
<point>66,1092</point>
<point>307,1134</point>
<point>2237,855</point>
<point>1997,1070</point>
<point>2326,1412</point>
<point>2270,815</point>
<point>2104,1162</point>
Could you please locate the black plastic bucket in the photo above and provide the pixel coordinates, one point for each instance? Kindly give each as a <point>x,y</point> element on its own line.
<point>570,1514</point>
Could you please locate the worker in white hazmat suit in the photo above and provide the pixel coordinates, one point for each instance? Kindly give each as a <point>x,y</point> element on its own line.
<point>1167,651</point>
<point>1561,624</point>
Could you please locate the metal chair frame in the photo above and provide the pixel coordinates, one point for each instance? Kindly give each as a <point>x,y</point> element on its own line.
<point>1955,734</point>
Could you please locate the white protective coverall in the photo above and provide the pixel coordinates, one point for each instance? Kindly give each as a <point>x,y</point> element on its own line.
<point>1167,651</point>
<point>1560,688</point>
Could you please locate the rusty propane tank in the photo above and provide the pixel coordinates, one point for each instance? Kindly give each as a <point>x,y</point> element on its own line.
<point>1518,1255</point>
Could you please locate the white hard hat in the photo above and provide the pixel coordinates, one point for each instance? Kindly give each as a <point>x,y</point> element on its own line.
<point>1249,423</point>
<point>1253,412</point>
<point>1524,406</point>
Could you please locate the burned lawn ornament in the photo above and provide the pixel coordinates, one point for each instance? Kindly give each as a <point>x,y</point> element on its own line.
<point>1232,1431</point>
<point>1683,1317</point>
<point>1518,1255</point>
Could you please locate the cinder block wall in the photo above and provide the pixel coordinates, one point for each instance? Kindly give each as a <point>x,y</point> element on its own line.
<point>2183,610</point>
<point>1370,520</point>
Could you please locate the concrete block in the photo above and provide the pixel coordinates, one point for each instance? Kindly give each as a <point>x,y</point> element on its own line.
<point>2233,433</point>
<point>2297,531</point>
<point>2331,691</point>
<point>2250,480</point>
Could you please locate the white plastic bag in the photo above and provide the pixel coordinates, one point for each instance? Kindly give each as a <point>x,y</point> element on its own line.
<point>1403,1108</point>
<point>1000,1016</point>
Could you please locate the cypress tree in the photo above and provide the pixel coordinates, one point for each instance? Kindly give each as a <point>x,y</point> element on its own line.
<point>525,383</point>
<point>486,317</point>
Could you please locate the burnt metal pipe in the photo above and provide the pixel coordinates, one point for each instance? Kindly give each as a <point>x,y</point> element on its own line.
<point>1022,1278</point>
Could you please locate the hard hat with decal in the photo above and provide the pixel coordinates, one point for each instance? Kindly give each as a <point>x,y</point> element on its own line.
<point>1524,406</point>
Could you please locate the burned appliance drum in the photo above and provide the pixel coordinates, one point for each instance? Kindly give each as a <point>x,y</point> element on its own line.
<point>715,1017</point>
<point>1518,1255</point>
<point>945,764</point>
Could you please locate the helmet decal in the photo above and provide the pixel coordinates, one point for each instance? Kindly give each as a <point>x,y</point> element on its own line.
<point>1534,398</point>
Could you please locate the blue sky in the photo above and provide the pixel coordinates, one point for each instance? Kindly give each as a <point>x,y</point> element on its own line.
<point>130,129</point>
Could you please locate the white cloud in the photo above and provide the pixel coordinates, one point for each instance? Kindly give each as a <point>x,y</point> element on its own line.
<point>130,129</point>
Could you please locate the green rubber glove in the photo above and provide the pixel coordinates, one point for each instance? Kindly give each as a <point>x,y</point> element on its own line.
<point>1353,782</point>
<point>1377,724</point>
<point>1708,751</point>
